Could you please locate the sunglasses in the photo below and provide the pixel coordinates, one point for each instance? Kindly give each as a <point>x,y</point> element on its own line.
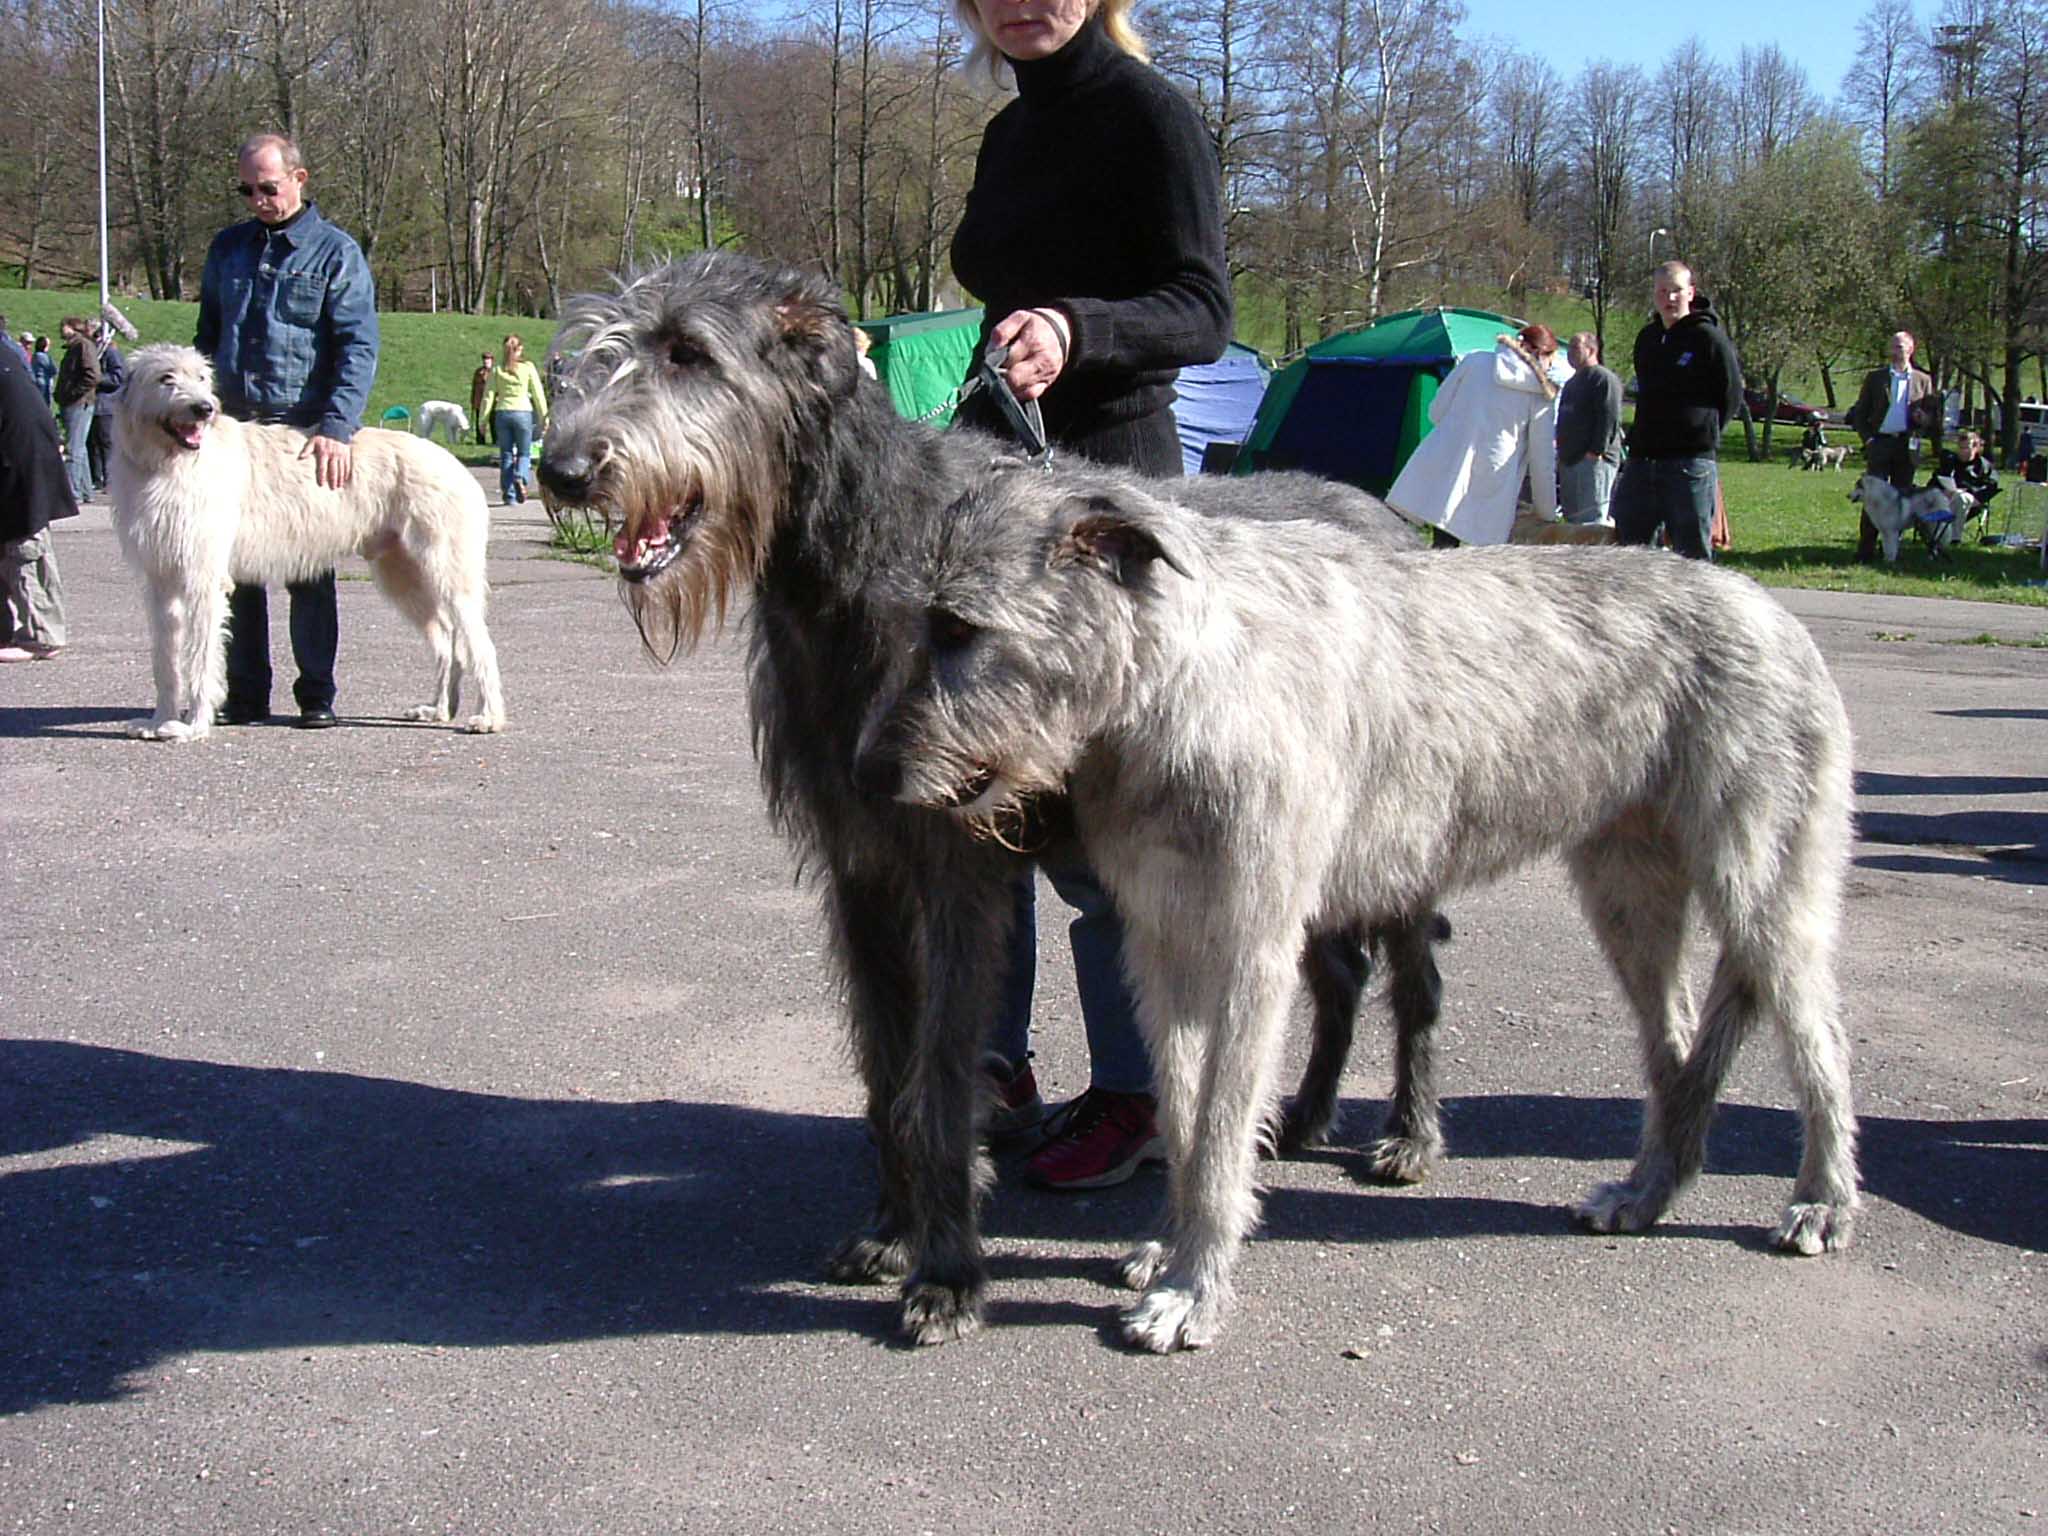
<point>266,188</point>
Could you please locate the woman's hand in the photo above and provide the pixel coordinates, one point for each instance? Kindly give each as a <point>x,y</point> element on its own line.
<point>1038,340</point>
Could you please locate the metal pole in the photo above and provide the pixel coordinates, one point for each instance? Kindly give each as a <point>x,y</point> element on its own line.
<point>103,151</point>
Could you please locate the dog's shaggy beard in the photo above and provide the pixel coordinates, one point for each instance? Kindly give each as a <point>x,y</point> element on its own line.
<point>695,517</point>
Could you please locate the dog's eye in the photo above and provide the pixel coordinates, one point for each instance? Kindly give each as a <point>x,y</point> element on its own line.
<point>949,632</point>
<point>684,353</point>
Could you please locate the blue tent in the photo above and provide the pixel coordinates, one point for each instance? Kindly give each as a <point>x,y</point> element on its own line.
<point>1216,402</point>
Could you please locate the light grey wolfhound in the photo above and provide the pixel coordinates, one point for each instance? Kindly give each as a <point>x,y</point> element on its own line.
<point>1270,728</point>
<point>202,501</point>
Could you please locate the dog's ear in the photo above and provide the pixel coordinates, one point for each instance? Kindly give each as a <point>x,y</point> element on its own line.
<point>1117,537</point>
<point>818,333</point>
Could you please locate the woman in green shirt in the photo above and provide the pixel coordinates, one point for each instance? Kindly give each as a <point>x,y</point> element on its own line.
<point>517,406</point>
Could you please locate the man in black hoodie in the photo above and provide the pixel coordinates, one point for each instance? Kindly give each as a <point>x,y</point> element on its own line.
<point>1688,384</point>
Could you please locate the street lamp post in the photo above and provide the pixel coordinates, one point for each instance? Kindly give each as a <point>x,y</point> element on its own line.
<point>1660,230</point>
<point>104,294</point>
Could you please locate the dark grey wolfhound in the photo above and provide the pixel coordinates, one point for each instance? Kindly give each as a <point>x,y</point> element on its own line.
<point>715,410</point>
<point>1262,729</point>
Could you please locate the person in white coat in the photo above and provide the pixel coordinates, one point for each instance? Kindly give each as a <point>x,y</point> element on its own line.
<point>1493,420</point>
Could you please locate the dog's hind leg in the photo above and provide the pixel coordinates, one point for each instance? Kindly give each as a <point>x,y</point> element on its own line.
<point>1337,967</point>
<point>1637,900</point>
<point>1412,1138</point>
<point>475,653</point>
<point>412,589</point>
<point>1782,947</point>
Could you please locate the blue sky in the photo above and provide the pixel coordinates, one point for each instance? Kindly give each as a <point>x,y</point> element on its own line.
<point>1820,38</point>
<point>1570,33</point>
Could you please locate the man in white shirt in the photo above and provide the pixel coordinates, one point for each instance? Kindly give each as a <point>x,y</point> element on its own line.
<point>1898,407</point>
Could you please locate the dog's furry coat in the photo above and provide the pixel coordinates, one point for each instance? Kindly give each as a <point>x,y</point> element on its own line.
<point>1272,728</point>
<point>202,501</point>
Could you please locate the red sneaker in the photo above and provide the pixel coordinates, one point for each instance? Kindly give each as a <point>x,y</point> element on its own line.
<point>1097,1140</point>
<point>1014,1107</point>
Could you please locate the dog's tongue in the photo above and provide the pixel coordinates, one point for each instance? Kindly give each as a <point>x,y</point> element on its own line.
<point>632,552</point>
<point>191,434</point>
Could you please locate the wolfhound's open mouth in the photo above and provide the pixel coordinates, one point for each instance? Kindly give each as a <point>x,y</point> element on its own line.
<point>189,435</point>
<point>656,547</point>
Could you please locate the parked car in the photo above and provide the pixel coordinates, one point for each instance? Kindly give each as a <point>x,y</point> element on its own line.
<point>1797,412</point>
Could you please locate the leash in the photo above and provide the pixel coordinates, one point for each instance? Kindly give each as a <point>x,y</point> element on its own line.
<point>1024,417</point>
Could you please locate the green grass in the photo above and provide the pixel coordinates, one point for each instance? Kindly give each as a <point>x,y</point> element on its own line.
<point>421,357</point>
<point>1791,529</point>
<point>1794,529</point>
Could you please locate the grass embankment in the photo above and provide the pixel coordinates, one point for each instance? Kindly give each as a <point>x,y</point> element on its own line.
<point>1791,529</point>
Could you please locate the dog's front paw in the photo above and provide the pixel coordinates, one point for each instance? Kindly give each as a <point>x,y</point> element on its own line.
<point>936,1313</point>
<point>1808,1229</point>
<point>868,1258</point>
<point>1168,1318</point>
<point>483,725</point>
<point>425,714</point>
<point>1400,1159</point>
<point>165,730</point>
<point>1142,1265</point>
<point>1622,1207</point>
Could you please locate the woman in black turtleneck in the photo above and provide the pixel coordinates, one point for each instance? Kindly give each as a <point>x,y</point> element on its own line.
<point>1093,236</point>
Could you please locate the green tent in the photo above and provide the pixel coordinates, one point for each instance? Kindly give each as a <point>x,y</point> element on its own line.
<point>922,359</point>
<point>1353,406</point>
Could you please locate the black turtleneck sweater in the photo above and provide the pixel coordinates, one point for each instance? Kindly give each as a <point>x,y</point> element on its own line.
<point>1097,192</point>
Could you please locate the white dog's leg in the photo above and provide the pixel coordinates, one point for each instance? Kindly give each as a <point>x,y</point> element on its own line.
<point>176,631</point>
<point>480,657</point>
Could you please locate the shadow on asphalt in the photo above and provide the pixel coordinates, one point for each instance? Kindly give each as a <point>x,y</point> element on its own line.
<point>2013,842</point>
<point>191,1206</point>
<point>66,722</point>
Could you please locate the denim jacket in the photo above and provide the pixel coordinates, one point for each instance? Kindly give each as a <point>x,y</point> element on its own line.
<point>289,319</point>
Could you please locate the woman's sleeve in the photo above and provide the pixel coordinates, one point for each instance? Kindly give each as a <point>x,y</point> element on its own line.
<point>1174,217</point>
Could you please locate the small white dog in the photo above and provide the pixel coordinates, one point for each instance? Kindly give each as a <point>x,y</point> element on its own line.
<point>202,501</point>
<point>450,419</point>
<point>1930,510</point>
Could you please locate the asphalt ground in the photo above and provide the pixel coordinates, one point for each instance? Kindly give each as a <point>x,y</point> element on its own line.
<point>407,1130</point>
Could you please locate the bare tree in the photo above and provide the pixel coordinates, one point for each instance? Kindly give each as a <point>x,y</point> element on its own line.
<point>1607,141</point>
<point>1887,82</point>
<point>1773,102</point>
<point>1691,111</point>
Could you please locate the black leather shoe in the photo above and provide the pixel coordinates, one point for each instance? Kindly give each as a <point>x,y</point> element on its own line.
<point>231,713</point>
<point>318,718</point>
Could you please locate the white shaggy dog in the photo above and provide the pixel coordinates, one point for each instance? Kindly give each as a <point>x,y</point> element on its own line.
<point>446,417</point>
<point>202,501</point>
<point>1896,513</point>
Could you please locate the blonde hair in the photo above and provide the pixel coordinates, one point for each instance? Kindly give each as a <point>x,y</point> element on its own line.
<point>1116,24</point>
<point>514,349</point>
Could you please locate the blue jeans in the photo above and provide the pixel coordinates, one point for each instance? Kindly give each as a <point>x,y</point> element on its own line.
<point>1676,495</point>
<point>1118,1062</point>
<point>78,461</point>
<point>1585,488</point>
<point>514,430</point>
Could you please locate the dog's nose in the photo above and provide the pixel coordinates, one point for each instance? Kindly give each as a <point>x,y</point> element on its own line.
<point>878,774</point>
<point>203,409</point>
<point>566,473</point>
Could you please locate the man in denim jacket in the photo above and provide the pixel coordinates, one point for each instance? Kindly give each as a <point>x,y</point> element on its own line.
<point>288,315</point>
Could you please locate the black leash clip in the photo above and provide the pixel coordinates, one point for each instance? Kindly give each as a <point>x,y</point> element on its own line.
<point>1024,416</point>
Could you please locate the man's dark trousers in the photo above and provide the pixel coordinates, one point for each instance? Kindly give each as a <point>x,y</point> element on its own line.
<point>316,634</point>
<point>1890,457</point>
